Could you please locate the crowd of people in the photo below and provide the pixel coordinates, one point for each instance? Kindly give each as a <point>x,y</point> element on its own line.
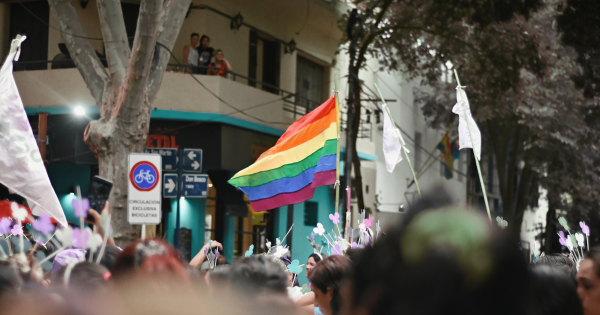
<point>198,56</point>
<point>437,259</point>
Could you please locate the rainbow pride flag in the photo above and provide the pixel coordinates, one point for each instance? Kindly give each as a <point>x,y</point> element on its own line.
<point>301,160</point>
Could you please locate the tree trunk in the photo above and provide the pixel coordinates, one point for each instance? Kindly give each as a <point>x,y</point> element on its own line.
<point>355,90</point>
<point>551,238</point>
<point>125,93</point>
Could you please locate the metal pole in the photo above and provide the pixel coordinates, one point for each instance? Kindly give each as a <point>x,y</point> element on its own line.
<point>179,188</point>
<point>337,160</point>
<point>42,133</point>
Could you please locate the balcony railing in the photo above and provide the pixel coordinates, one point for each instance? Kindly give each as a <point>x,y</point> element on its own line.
<point>294,103</point>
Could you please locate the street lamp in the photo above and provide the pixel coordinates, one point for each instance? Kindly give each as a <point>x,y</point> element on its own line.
<point>290,47</point>
<point>79,111</point>
<point>236,22</point>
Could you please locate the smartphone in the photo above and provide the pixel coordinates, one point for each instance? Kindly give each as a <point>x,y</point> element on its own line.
<point>98,193</point>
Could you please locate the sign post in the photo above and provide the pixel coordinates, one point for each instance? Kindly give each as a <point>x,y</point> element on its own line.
<point>179,185</point>
<point>144,189</point>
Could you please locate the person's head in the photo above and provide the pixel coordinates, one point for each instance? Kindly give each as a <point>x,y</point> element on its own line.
<point>439,258</point>
<point>218,276</point>
<point>327,279</point>
<point>558,260</point>
<point>588,282</point>
<point>312,261</point>
<point>219,55</point>
<point>150,257</point>
<point>204,41</point>
<point>10,281</point>
<point>552,291</point>
<point>258,274</point>
<point>108,257</point>
<point>194,39</point>
<point>84,275</point>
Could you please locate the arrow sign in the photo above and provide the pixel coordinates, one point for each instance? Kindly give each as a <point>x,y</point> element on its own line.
<point>170,185</point>
<point>192,160</point>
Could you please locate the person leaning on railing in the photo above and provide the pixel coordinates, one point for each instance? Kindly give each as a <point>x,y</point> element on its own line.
<point>221,64</point>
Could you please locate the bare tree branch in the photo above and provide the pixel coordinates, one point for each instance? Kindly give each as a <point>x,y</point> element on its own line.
<point>133,94</point>
<point>175,14</point>
<point>81,50</point>
<point>116,43</point>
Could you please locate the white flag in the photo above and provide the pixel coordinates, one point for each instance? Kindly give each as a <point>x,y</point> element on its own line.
<point>392,148</point>
<point>21,167</point>
<point>464,140</point>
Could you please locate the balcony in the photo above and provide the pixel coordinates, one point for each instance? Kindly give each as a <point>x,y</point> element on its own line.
<point>179,97</point>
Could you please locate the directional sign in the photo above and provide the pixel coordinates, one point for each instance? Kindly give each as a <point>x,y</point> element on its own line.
<point>195,186</point>
<point>192,160</point>
<point>169,157</point>
<point>170,185</point>
<point>143,189</point>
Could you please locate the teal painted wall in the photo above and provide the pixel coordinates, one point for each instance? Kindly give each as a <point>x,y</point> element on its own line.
<point>301,247</point>
<point>280,223</point>
<point>63,176</point>
<point>229,238</point>
<point>192,215</point>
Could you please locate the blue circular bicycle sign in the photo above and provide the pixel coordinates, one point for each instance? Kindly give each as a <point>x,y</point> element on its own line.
<point>144,176</point>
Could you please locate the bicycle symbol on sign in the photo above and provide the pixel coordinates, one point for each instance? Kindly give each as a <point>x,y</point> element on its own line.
<point>144,176</point>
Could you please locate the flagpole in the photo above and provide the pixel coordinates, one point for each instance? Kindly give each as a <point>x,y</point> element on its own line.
<point>400,139</point>
<point>487,206</point>
<point>337,159</point>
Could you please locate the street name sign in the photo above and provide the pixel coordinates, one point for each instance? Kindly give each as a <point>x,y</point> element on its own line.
<point>170,185</point>
<point>169,158</point>
<point>195,186</point>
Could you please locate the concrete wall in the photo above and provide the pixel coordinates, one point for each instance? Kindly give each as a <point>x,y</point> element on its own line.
<point>65,88</point>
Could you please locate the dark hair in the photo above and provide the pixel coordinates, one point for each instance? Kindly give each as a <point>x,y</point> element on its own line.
<point>84,276</point>
<point>594,255</point>
<point>220,273</point>
<point>315,257</point>
<point>555,259</point>
<point>203,37</point>
<point>439,258</point>
<point>257,274</point>
<point>10,280</point>
<point>108,258</point>
<point>553,292</point>
<point>331,273</point>
<point>194,34</point>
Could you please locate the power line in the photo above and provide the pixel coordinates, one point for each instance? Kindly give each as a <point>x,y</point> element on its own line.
<point>53,27</point>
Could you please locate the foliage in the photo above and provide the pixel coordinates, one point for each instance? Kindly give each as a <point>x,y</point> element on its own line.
<point>518,76</point>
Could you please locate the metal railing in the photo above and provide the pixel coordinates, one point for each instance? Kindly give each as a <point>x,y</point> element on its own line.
<point>294,103</point>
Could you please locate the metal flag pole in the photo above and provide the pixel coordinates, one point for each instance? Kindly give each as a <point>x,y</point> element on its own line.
<point>487,206</point>
<point>337,159</point>
<point>400,139</point>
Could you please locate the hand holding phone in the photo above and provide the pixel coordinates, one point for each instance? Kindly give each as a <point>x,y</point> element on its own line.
<point>98,194</point>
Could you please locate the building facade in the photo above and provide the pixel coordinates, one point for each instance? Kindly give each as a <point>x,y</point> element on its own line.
<point>284,63</point>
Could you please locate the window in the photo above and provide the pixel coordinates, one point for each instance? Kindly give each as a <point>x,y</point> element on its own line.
<point>459,168</point>
<point>309,83</point>
<point>264,62</point>
<point>491,174</point>
<point>311,213</point>
<point>35,48</point>
<point>417,148</point>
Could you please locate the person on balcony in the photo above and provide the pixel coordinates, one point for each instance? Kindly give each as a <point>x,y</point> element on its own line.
<point>205,53</point>
<point>190,54</point>
<point>221,65</point>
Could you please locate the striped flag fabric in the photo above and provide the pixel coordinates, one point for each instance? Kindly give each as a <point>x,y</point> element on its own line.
<point>303,159</point>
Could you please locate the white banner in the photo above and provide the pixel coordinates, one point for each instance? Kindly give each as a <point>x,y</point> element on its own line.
<point>21,167</point>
